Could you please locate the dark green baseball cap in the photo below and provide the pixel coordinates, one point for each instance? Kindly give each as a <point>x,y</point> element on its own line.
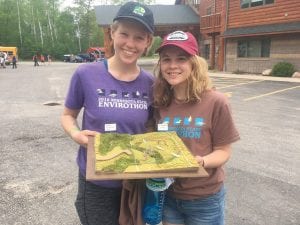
<point>138,12</point>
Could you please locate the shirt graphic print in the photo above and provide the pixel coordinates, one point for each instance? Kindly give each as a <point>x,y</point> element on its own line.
<point>185,127</point>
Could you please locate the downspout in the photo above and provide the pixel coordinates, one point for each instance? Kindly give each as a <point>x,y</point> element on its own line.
<point>225,40</point>
<point>226,16</point>
<point>215,7</point>
<point>214,42</point>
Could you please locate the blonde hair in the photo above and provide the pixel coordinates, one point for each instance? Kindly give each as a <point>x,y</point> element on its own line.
<point>114,26</point>
<point>198,82</point>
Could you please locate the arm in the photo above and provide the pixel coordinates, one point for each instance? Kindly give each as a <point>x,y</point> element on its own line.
<point>69,123</point>
<point>218,157</point>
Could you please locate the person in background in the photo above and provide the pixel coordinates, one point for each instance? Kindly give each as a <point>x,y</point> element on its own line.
<point>186,103</point>
<point>35,60</point>
<point>3,57</point>
<point>14,62</point>
<point>42,59</point>
<point>2,60</point>
<point>116,96</point>
<point>49,59</point>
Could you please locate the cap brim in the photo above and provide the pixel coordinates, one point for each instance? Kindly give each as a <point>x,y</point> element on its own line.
<point>136,19</point>
<point>189,51</point>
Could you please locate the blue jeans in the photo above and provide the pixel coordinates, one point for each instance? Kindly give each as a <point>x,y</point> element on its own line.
<point>204,211</point>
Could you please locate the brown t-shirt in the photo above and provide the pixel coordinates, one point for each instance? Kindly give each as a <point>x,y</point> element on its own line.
<point>202,125</point>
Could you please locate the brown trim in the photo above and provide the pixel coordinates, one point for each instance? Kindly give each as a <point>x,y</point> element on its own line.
<point>260,34</point>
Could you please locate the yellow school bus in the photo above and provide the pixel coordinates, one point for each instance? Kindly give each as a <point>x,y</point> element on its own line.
<point>9,52</point>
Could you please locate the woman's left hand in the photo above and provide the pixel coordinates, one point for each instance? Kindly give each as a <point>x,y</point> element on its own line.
<point>200,160</point>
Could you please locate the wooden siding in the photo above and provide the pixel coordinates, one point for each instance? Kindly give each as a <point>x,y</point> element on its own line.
<point>215,5</point>
<point>204,5</point>
<point>212,22</point>
<point>281,11</point>
<point>217,17</point>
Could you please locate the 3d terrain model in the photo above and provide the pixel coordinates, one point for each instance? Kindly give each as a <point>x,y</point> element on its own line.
<point>140,153</point>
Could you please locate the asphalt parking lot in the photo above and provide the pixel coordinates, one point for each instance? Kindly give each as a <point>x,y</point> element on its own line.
<point>38,174</point>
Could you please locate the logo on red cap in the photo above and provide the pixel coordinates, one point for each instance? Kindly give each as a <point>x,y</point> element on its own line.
<point>177,36</point>
<point>184,40</point>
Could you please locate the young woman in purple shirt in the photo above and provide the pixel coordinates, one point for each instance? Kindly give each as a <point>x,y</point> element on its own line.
<point>115,96</point>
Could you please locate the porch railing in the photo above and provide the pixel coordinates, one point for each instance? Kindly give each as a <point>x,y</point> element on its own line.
<point>210,21</point>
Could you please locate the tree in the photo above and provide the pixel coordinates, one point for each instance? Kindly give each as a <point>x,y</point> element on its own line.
<point>120,2</point>
<point>41,26</point>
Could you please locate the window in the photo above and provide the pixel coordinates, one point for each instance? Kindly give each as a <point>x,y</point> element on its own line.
<point>208,11</point>
<point>196,2</point>
<point>253,3</point>
<point>269,1</point>
<point>256,3</point>
<point>206,51</point>
<point>254,48</point>
<point>244,4</point>
<point>265,48</point>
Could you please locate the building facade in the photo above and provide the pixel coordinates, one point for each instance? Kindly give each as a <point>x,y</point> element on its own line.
<point>167,19</point>
<point>249,35</point>
<point>234,35</point>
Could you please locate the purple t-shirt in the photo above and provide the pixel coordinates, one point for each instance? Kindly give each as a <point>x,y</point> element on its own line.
<point>110,105</point>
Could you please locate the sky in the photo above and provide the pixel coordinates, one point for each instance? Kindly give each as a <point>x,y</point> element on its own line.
<point>98,2</point>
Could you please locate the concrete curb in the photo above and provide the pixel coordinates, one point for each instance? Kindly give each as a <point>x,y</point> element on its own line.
<point>254,77</point>
<point>152,62</point>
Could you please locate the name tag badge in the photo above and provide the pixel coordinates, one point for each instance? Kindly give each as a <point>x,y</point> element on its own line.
<point>162,127</point>
<point>110,127</point>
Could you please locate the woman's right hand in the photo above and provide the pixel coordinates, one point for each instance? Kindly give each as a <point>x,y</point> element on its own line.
<point>81,136</point>
<point>69,123</point>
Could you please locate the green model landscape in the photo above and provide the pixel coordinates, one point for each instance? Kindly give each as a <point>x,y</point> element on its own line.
<point>150,152</point>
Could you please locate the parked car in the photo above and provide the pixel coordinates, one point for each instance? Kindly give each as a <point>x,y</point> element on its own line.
<point>67,58</point>
<point>86,57</point>
<point>73,58</point>
<point>77,59</point>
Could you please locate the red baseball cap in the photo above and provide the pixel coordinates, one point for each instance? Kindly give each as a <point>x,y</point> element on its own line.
<point>184,40</point>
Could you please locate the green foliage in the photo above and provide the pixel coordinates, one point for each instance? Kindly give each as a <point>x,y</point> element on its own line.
<point>156,155</point>
<point>120,165</point>
<point>120,2</point>
<point>41,26</point>
<point>155,44</point>
<point>283,69</point>
<point>114,139</point>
